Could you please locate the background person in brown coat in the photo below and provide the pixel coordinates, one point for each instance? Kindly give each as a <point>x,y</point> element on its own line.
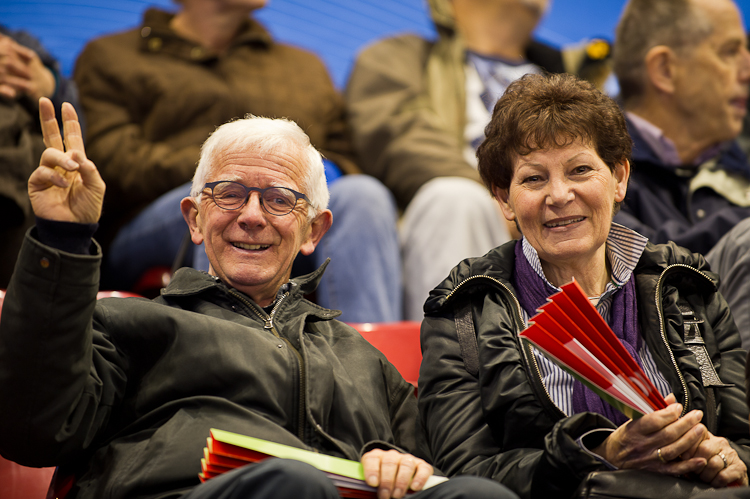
<point>151,97</point>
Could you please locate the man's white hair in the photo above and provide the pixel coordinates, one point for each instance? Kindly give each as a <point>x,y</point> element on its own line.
<point>262,136</point>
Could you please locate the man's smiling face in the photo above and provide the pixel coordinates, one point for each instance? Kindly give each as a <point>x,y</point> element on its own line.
<point>250,249</point>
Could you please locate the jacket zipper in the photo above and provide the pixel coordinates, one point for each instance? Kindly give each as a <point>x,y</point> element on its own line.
<point>268,325</point>
<point>529,360</point>
<point>660,310</point>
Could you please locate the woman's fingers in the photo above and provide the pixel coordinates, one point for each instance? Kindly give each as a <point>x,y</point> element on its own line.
<point>679,467</point>
<point>723,465</point>
<point>684,435</point>
<point>657,421</point>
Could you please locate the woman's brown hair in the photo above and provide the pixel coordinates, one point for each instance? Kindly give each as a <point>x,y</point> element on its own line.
<point>550,111</point>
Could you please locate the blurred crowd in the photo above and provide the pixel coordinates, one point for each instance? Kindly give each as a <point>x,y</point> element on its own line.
<point>415,158</point>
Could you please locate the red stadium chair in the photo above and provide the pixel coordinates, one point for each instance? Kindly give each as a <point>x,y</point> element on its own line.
<point>399,342</point>
<point>117,294</point>
<point>20,482</point>
<point>152,281</point>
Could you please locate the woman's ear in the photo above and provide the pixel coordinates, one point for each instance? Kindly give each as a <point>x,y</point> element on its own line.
<point>503,199</point>
<point>622,175</point>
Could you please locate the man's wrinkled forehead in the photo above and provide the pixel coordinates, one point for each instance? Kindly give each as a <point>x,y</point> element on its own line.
<point>283,159</point>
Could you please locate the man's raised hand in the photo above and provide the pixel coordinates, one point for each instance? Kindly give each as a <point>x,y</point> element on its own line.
<point>67,186</point>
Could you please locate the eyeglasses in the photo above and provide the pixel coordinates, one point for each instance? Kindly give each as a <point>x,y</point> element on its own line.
<point>230,195</point>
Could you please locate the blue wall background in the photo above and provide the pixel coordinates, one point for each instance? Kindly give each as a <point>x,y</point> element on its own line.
<point>335,29</point>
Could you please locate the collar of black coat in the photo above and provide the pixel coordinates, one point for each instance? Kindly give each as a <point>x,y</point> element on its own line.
<point>188,282</point>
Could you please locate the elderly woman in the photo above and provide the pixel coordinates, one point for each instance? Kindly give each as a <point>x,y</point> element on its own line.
<point>556,160</point>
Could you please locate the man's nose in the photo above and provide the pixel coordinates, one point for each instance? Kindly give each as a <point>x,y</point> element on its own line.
<point>252,212</point>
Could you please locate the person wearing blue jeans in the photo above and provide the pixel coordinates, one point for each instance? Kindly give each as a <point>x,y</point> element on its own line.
<point>363,279</point>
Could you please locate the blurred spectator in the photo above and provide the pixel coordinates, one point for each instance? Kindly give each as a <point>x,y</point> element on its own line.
<point>153,94</point>
<point>418,109</point>
<point>27,72</point>
<point>684,73</point>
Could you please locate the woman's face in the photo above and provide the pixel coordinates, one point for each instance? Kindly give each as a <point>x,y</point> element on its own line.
<point>562,199</point>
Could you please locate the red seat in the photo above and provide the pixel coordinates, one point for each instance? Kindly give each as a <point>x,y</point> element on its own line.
<point>20,482</point>
<point>399,342</point>
<point>151,282</point>
<point>117,294</point>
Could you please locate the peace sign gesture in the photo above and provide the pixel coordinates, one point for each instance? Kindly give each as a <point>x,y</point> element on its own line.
<point>66,187</point>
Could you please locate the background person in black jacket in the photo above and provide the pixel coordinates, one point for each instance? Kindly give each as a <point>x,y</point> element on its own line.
<point>684,73</point>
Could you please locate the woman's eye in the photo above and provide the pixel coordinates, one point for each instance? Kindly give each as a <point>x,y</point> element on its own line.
<point>531,179</point>
<point>582,169</point>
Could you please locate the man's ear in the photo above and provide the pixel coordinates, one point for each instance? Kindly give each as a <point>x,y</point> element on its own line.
<point>318,227</point>
<point>660,68</point>
<point>191,214</point>
<point>502,199</point>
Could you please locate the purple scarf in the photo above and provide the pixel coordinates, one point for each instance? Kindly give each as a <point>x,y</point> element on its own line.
<point>532,293</point>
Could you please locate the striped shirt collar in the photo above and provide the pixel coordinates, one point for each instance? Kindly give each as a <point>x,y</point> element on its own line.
<point>624,249</point>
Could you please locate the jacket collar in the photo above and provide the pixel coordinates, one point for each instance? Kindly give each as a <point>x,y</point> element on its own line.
<point>190,282</point>
<point>158,37</point>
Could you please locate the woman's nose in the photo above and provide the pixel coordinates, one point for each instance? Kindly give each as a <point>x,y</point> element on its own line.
<point>559,192</point>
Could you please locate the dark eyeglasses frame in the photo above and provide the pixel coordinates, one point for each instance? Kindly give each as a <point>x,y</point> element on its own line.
<point>249,190</point>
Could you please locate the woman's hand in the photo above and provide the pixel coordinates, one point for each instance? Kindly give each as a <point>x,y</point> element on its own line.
<point>67,186</point>
<point>723,465</point>
<point>393,473</point>
<point>657,441</point>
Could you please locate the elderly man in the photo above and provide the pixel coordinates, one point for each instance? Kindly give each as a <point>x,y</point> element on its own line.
<point>684,72</point>
<point>121,393</point>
